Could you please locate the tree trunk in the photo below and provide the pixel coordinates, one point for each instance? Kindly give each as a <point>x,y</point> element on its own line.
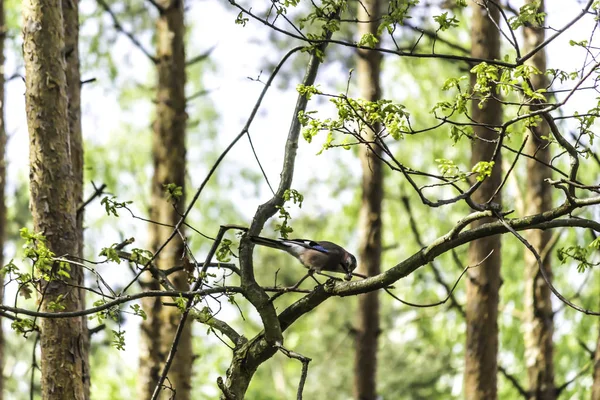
<point>538,324</point>
<point>367,329</point>
<point>596,382</point>
<point>52,200</point>
<point>484,281</point>
<point>2,187</point>
<point>169,155</point>
<point>71,22</point>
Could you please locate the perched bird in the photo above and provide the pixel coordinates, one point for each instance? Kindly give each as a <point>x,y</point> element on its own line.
<point>316,256</point>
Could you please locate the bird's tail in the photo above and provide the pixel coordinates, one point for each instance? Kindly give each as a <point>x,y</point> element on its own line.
<point>276,244</point>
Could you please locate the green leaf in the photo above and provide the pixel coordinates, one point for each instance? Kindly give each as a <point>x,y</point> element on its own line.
<point>368,40</point>
<point>483,169</point>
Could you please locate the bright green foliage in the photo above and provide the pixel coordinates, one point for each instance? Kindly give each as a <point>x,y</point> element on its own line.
<point>110,313</point>
<point>446,22</point>
<point>141,256</point>
<point>118,340</point>
<point>368,40</point>
<point>173,192</point>
<point>307,91</point>
<point>23,326</point>
<point>110,253</point>
<point>398,12</point>
<point>241,20</point>
<point>284,228</point>
<point>449,169</point>
<point>181,303</point>
<point>483,169</point>
<point>57,305</point>
<point>577,254</point>
<point>353,117</point>
<point>44,262</point>
<point>137,310</point>
<point>528,15</point>
<point>111,205</point>
<point>224,252</point>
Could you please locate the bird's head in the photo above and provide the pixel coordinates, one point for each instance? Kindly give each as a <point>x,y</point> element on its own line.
<point>349,262</point>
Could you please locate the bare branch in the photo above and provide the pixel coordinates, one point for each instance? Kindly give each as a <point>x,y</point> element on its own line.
<point>304,360</point>
<point>120,28</point>
<point>97,192</point>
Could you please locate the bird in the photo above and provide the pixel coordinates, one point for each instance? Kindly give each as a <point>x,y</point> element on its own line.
<point>316,256</point>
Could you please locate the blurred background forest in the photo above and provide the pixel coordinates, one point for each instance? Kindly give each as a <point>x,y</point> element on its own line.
<point>229,57</point>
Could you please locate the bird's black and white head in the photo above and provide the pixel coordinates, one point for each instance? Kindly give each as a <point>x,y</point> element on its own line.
<point>349,262</point>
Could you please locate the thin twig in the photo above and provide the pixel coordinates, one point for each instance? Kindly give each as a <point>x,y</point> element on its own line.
<point>543,270</point>
<point>97,192</point>
<point>304,360</point>
<point>450,294</point>
<point>120,28</point>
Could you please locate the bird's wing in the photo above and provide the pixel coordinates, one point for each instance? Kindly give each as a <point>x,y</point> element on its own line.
<point>307,244</point>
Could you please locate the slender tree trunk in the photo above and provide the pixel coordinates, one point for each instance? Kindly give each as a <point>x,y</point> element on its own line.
<point>367,329</point>
<point>2,186</point>
<point>484,281</point>
<point>52,200</point>
<point>596,381</point>
<point>538,324</point>
<point>71,21</point>
<point>169,154</point>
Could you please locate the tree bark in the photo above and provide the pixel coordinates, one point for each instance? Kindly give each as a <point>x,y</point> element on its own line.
<point>596,381</point>
<point>538,320</point>
<point>484,281</point>
<point>52,200</point>
<point>367,329</point>
<point>3,164</point>
<point>169,155</point>
<point>71,23</point>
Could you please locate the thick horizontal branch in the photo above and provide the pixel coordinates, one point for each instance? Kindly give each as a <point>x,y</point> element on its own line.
<point>444,244</point>
<point>546,220</point>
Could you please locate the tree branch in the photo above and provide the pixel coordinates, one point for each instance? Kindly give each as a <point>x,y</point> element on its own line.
<point>120,28</point>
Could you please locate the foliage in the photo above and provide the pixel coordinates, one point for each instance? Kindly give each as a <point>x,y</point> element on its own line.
<point>425,129</point>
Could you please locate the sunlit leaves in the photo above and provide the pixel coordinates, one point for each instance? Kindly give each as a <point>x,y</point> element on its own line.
<point>137,310</point>
<point>284,228</point>
<point>449,169</point>
<point>140,256</point>
<point>483,169</point>
<point>454,83</point>
<point>241,19</point>
<point>111,253</point>
<point>118,340</point>
<point>398,12</point>
<point>368,40</point>
<point>43,258</point>
<point>173,192</point>
<point>528,15</point>
<point>445,22</point>
<point>485,75</point>
<point>295,196</point>
<point>57,304</point>
<point>224,252</point>
<point>576,253</point>
<point>307,91</point>
<point>111,205</point>
<point>353,117</point>
<point>23,326</point>
<point>111,313</point>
